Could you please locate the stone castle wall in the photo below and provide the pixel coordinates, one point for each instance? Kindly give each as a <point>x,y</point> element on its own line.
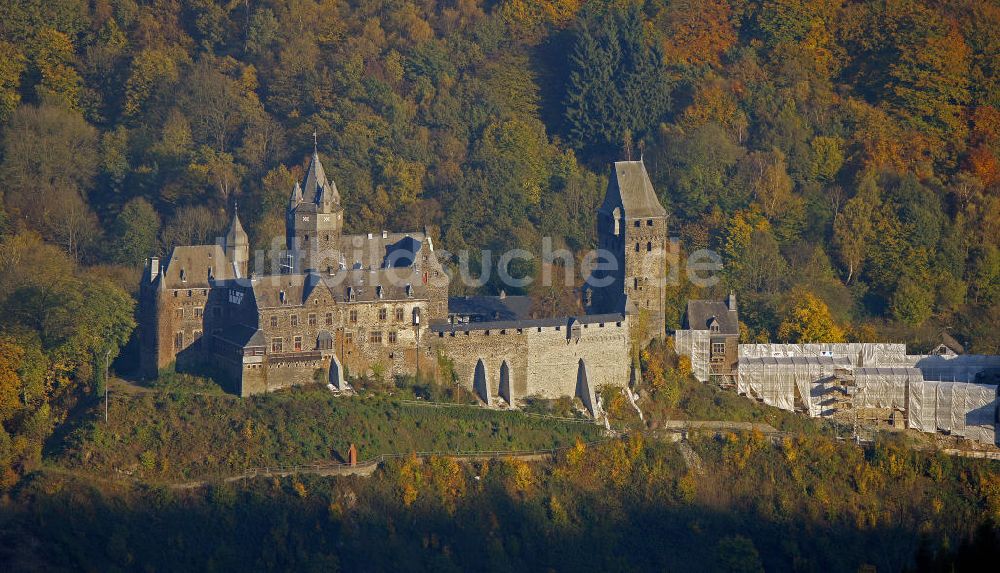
<point>541,360</point>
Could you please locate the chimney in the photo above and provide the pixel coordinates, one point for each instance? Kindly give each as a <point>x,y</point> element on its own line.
<point>731,301</point>
<point>154,268</point>
<point>352,455</point>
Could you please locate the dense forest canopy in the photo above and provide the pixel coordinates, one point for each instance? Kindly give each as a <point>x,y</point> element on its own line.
<point>842,156</point>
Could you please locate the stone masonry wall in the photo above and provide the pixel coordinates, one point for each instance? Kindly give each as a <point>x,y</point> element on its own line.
<point>543,361</point>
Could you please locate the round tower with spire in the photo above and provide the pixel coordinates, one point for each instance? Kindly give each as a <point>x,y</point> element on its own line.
<point>314,220</point>
<point>237,245</point>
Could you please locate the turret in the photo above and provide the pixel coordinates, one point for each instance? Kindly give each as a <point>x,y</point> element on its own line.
<point>237,246</point>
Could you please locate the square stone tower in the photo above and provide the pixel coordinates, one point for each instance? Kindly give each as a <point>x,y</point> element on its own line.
<point>313,222</point>
<point>632,229</point>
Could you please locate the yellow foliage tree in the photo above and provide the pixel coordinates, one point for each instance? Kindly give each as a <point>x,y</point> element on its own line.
<point>809,320</point>
<point>59,79</point>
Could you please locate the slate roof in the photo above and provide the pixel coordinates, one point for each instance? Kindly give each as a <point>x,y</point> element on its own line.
<point>376,251</point>
<point>274,291</point>
<point>701,312</point>
<point>491,307</point>
<point>188,267</point>
<point>242,335</point>
<point>236,235</point>
<point>317,185</point>
<point>630,189</point>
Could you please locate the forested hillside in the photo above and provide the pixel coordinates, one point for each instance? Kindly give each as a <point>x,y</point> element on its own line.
<point>842,156</point>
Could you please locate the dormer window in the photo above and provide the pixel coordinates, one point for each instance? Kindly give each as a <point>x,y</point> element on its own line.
<point>350,293</point>
<point>183,276</point>
<point>281,296</point>
<point>409,291</point>
<point>378,291</point>
<point>713,324</point>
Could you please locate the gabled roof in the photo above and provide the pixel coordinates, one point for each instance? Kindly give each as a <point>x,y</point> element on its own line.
<point>188,267</point>
<point>375,251</point>
<point>491,307</point>
<point>701,314</point>
<point>630,189</point>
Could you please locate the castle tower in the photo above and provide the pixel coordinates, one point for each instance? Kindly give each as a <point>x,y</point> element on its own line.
<point>632,227</point>
<point>314,221</point>
<point>237,246</point>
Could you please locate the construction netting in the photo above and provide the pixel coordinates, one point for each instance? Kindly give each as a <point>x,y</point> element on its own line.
<point>695,344</point>
<point>960,408</point>
<point>857,353</point>
<point>960,368</point>
<point>883,387</point>
<point>778,380</point>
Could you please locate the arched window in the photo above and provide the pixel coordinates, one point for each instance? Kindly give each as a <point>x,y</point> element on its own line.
<point>649,246</point>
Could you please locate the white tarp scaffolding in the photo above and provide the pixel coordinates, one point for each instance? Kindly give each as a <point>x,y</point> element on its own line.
<point>695,344</point>
<point>883,387</point>
<point>857,353</point>
<point>960,368</point>
<point>960,408</point>
<point>774,380</point>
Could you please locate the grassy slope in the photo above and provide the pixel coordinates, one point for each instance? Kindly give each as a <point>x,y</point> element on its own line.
<point>169,436</point>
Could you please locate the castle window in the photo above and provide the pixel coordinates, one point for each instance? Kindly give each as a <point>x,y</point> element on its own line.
<point>295,319</point>
<point>354,316</point>
<point>378,291</point>
<point>277,344</point>
<point>383,314</point>
<point>274,322</point>
<point>718,348</point>
<point>409,291</point>
<point>637,247</point>
<point>197,334</point>
<point>325,341</point>
<point>329,319</point>
<point>199,312</point>
<point>375,337</point>
<point>179,340</point>
<point>190,293</point>
<point>312,319</point>
<point>416,316</point>
<point>183,276</point>
<point>638,223</point>
<point>298,343</point>
<point>635,283</point>
<point>649,222</point>
<point>326,237</point>
<point>350,293</point>
<point>649,246</point>
<point>399,315</point>
<point>179,313</point>
<point>392,337</point>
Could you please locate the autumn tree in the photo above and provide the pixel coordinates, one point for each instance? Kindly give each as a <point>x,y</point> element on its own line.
<point>809,320</point>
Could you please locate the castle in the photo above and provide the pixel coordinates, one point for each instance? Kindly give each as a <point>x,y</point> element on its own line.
<point>377,304</point>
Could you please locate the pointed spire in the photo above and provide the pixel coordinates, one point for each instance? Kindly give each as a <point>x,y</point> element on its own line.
<point>236,236</point>
<point>316,188</point>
